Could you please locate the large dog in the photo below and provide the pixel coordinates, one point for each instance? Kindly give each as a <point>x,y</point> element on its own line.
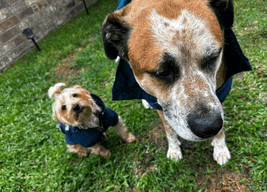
<point>176,51</point>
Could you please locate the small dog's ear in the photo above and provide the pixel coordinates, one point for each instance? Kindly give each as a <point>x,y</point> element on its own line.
<point>55,89</point>
<point>77,86</point>
<point>115,35</point>
<point>224,11</point>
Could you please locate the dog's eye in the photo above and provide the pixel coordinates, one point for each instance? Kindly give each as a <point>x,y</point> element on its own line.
<point>209,62</point>
<point>63,107</point>
<point>165,76</point>
<point>168,69</point>
<point>75,95</point>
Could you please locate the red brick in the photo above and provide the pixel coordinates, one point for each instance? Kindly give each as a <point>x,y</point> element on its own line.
<point>4,63</point>
<point>9,23</point>
<point>18,6</point>
<point>21,50</point>
<point>9,34</point>
<point>11,1</point>
<point>19,39</point>
<point>2,4</point>
<point>25,13</point>
<point>4,14</point>
<point>70,4</point>
<point>6,48</point>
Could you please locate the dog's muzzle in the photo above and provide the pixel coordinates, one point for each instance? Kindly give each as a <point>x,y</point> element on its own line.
<point>77,108</point>
<point>198,125</point>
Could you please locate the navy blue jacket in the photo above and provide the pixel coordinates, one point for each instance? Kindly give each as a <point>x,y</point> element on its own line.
<point>126,88</point>
<point>89,137</point>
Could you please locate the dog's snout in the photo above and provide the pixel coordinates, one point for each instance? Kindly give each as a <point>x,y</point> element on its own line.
<point>205,126</point>
<point>77,108</point>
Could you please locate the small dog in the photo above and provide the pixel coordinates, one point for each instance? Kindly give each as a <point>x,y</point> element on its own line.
<point>85,119</point>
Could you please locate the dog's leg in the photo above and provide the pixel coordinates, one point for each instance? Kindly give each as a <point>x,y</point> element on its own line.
<point>221,153</point>
<point>81,151</point>
<point>174,150</point>
<point>100,150</point>
<point>123,132</point>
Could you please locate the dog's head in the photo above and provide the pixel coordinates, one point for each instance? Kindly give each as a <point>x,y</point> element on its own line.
<point>72,106</point>
<point>175,49</point>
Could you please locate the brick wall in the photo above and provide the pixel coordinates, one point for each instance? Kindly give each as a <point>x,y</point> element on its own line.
<point>43,16</point>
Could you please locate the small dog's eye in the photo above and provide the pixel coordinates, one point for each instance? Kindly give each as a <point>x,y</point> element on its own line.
<point>75,95</point>
<point>63,107</point>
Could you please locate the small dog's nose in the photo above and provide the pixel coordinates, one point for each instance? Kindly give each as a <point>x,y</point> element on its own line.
<point>206,126</point>
<point>77,108</point>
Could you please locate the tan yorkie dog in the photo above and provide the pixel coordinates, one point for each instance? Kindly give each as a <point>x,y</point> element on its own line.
<point>84,119</point>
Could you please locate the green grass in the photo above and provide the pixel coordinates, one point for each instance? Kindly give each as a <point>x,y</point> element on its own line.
<point>33,154</point>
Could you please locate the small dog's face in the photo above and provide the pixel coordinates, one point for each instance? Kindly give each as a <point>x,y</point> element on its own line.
<point>73,106</point>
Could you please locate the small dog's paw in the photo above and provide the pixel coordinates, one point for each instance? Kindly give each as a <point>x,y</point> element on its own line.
<point>105,154</point>
<point>82,153</point>
<point>175,154</point>
<point>221,155</point>
<point>130,138</point>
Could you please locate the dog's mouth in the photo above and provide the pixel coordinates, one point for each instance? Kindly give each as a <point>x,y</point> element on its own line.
<point>190,130</point>
<point>78,109</point>
<point>82,114</point>
<point>79,114</point>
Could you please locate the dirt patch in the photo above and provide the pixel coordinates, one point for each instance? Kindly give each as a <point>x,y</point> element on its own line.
<point>145,166</point>
<point>65,70</point>
<point>157,136</point>
<point>217,181</point>
<point>226,182</point>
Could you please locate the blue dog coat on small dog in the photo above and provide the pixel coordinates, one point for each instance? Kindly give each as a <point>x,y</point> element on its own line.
<point>126,88</point>
<point>89,137</point>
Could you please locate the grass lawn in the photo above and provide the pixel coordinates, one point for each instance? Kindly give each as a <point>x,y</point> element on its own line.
<point>33,154</point>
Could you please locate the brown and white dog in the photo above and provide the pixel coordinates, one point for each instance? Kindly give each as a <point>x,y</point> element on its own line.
<point>176,51</point>
<point>81,115</point>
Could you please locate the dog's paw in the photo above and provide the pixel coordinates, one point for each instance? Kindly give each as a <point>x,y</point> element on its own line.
<point>130,138</point>
<point>105,154</point>
<point>175,154</point>
<point>221,155</point>
<point>82,153</point>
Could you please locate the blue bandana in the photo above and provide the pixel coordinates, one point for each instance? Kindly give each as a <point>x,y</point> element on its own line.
<point>89,137</point>
<point>126,88</point>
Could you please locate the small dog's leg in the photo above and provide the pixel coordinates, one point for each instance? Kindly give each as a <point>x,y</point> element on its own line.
<point>123,132</point>
<point>221,153</point>
<point>174,150</point>
<point>99,150</point>
<point>81,151</point>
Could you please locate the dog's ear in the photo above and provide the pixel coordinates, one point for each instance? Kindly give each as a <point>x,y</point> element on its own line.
<point>224,11</point>
<point>115,35</point>
<point>55,89</point>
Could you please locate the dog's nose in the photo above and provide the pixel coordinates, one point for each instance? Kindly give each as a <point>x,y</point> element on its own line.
<point>206,126</point>
<point>77,108</point>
